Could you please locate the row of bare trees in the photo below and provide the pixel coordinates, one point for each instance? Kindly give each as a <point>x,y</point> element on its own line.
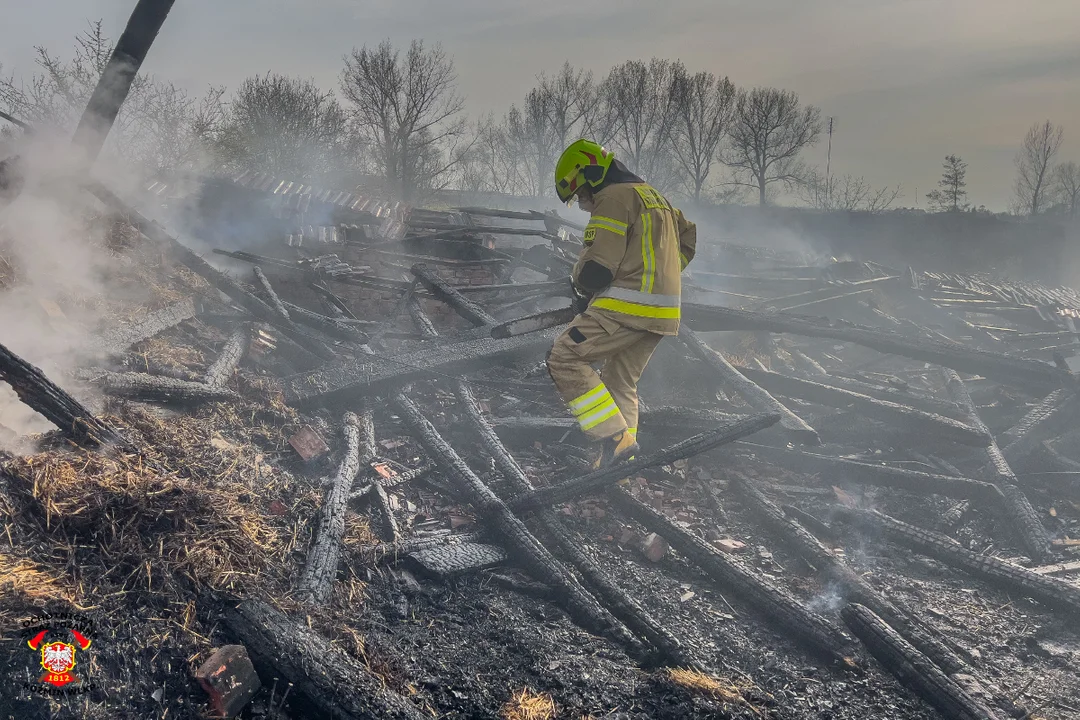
<point>672,126</point>
<point>1043,185</point>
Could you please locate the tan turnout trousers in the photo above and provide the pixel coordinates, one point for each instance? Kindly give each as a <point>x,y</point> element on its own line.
<point>604,404</point>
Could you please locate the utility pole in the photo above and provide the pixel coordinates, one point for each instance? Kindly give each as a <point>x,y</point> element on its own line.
<point>828,165</point>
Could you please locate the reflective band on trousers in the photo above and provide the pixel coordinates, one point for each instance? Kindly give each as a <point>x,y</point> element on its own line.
<point>638,304</point>
<point>594,407</point>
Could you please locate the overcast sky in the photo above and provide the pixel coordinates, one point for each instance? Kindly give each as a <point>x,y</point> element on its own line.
<point>908,81</point>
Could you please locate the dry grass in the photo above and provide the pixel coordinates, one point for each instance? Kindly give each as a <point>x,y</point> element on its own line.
<point>22,576</point>
<point>527,705</point>
<point>723,689</point>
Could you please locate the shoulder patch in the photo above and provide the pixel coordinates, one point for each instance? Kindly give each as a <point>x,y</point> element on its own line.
<point>651,198</point>
<point>590,235</point>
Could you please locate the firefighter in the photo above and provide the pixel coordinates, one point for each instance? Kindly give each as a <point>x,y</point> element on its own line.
<point>627,291</point>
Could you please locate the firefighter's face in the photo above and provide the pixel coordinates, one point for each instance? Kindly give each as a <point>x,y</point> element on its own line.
<point>585,199</point>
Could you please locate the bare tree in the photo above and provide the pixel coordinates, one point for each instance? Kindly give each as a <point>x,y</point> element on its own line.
<point>283,126</point>
<point>1033,165</point>
<point>702,110</point>
<point>159,126</point>
<point>846,192</point>
<point>951,192</point>
<point>407,109</point>
<point>638,103</point>
<point>769,130</point>
<point>1067,184</point>
<point>533,143</point>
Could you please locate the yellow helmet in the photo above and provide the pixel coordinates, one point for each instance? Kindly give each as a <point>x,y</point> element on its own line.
<point>583,163</point>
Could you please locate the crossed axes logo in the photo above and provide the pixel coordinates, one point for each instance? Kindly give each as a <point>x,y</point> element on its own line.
<point>58,658</point>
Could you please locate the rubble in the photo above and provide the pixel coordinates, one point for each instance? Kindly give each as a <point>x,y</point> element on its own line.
<point>279,438</point>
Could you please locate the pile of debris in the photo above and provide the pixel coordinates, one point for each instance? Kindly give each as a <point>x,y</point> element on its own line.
<point>328,478</point>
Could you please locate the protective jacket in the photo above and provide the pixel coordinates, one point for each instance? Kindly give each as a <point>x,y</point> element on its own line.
<point>644,243</point>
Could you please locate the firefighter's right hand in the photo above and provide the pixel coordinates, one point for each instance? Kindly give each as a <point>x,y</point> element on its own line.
<point>579,301</point>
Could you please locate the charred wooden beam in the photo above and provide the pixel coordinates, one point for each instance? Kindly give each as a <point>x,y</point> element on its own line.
<point>348,330</point>
<point>863,473</point>
<point>885,411</point>
<point>321,567</point>
<point>268,291</point>
<point>464,307</point>
<point>600,479</point>
<point>115,81</point>
<point>449,561</point>
<point>519,542</point>
<point>149,388</point>
<point>811,629</point>
<point>1026,522</point>
<point>215,277</point>
<point>117,340</point>
<point>388,527</point>
<point>1047,420</point>
<point>420,319</point>
<point>349,380</point>
<point>44,396</point>
<point>218,374</point>
<point>331,682</point>
<point>392,552</point>
<point>388,324</point>
<point>617,600</point>
<point>912,668</point>
<point>1008,370</point>
<point>336,305</point>
<point>853,587</point>
<point>755,396</point>
<point>1056,594</point>
<point>919,401</point>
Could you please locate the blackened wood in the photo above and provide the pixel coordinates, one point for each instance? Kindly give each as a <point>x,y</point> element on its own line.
<point>117,340</point>
<point>271,295</point>
<point>755,396</point>
<point>353,331</point>
<point>1029,374</point>
<point>332,682</point>
<point>1056,594</point>
<point>1047,420</point>
<point>321,567</point>
<point>599,479</point>
<point>215,277</point>
<point>919,401</point>
<point>349,380</point>
<point>44,396</point>
<point>906,418</point>
<point>463,306</point>
<point>841,470</point>
<point>388,527</point>
<point>149,388</point>
<point>219,374</point>
<point>912,668</point>
<point>115,81</point>
<point>1017,506</point>
<point>450,560</point>
<point>522,546</point>
<point>617,600</point>
<point>420,319</point>
<point>789,614</point>
<point>852,587</point>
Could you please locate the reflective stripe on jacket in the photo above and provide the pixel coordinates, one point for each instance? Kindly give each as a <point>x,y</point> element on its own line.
<point>646,243</point>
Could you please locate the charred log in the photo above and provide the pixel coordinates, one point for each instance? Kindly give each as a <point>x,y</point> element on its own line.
<point>863,473</point>
<point>268,291</point>
<point>148,388</point>
<point>922,402</point>
<point>1008,370</point>
<point>617,600</point>
<point>1054,593</point>
<point>912,668</point>
<point>811,629</point>
<point>392,552</point>
<point>388,527</point>
<point>115,81</point>
<point>50,400</point>
<point>348,330</point>
<point>321,567</point>
<point>420,319</point>
<point>116,341</point>
<point>519,542</point>
<point>464,307</point>
<point>1047,420</point>
<point>333,683</point>
<point>755,396</point>
<point>218,374</point>
<point>345,381</point>
<point>903,417</point>
<point>1017,506</point>
<point>599,479</point>
<point>449,561</point>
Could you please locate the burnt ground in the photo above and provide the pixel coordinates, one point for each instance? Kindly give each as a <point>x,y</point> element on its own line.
<point>155,548</point>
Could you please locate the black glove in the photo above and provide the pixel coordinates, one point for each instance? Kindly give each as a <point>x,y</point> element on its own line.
<point>579,301</point>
